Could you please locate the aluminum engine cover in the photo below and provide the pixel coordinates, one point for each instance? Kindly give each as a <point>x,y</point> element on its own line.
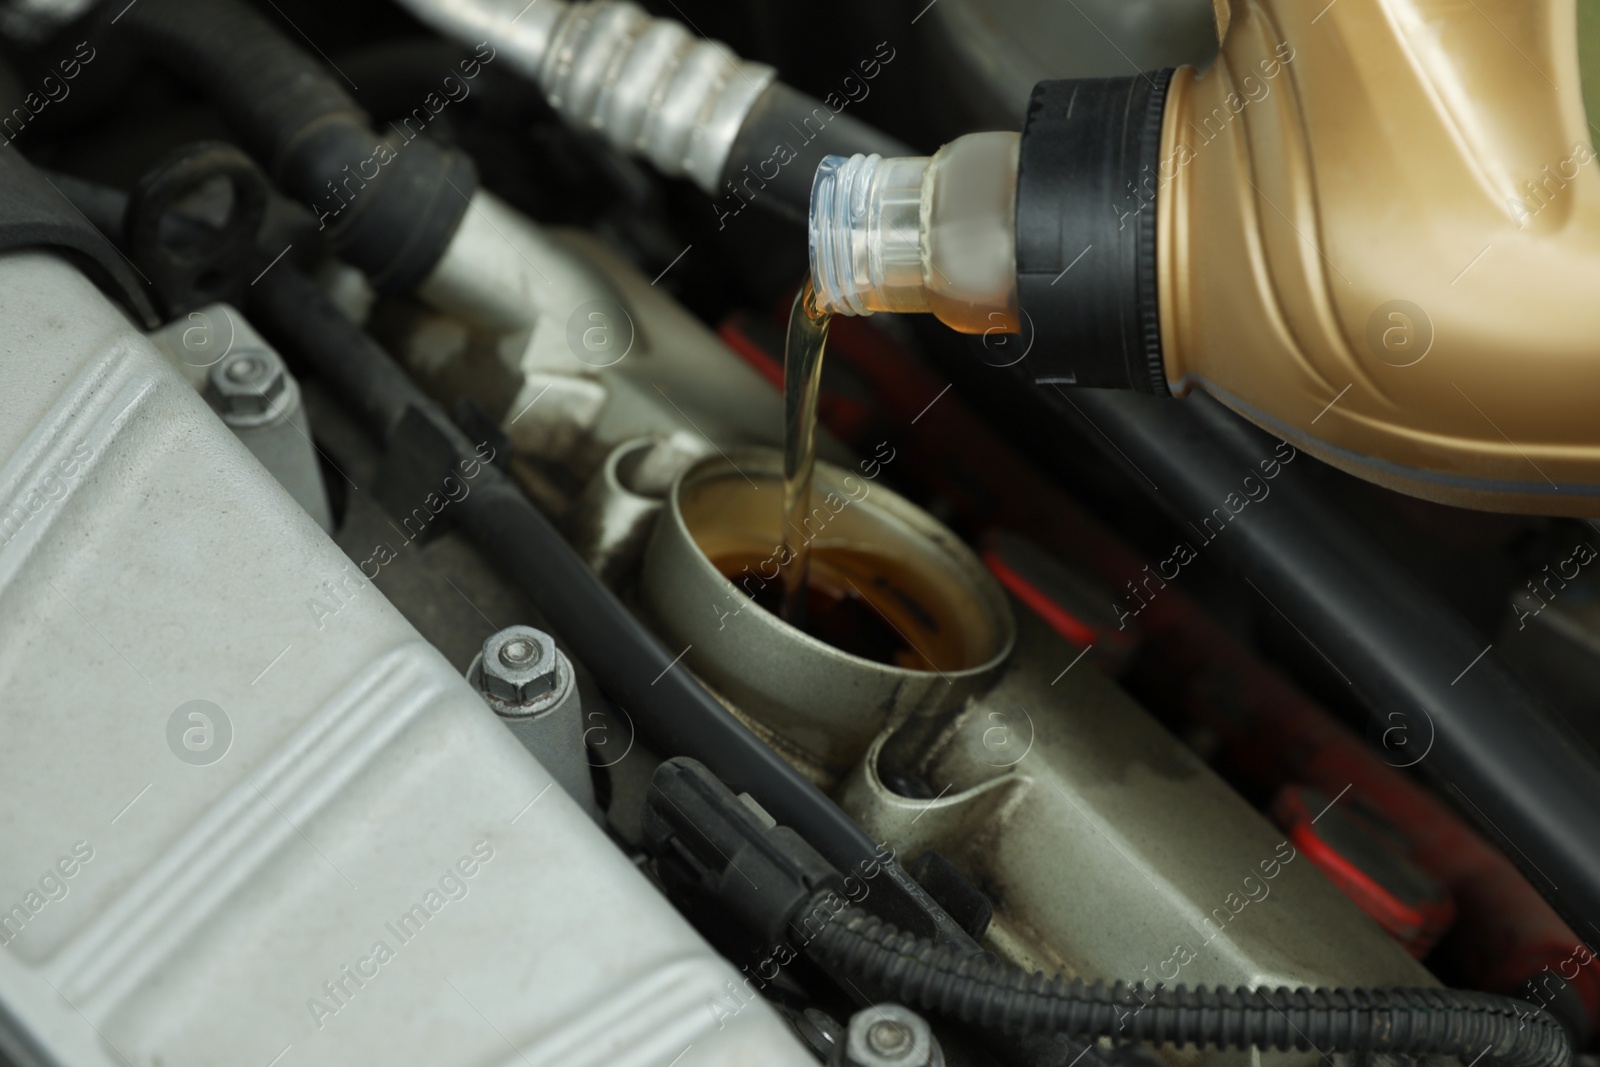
<point>214,890</point>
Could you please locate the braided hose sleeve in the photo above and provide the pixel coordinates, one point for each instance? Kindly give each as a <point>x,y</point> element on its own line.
<point>983,991</point>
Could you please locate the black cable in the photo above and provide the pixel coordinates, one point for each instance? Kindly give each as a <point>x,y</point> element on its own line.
<point>391,202</point>
<point>983,990</point>
<point>750,886</point>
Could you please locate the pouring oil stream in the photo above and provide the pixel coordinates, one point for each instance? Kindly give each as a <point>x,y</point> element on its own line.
<point>802,383</point>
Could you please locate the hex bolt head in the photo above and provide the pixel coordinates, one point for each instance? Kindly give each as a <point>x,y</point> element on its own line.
<point>889,1038</point>
<point>519,653</point>
<point>890,1035</point>
<point>520,665</point>
<point>247,382</point>
<point>245,371</point>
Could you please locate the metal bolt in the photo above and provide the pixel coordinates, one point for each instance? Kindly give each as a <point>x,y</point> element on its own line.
<point>520,665</point>
<point>891,1035</point>
<point>888,1038</point>
<point>245,370</point>
<point>519,652</point>
<point>247,382</point>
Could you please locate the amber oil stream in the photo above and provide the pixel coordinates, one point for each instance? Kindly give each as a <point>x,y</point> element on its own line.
<point>802,384</point>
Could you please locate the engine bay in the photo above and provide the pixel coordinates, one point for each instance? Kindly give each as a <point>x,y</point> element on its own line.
<point>401,651</point>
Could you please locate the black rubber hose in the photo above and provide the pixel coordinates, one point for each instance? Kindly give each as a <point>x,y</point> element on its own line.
<point>784,136</point>
<point>985,991</point>
<point>1422,672</point>
<point>390,202</point>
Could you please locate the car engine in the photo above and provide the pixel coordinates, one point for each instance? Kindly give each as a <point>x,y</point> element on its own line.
<point>400,655</point>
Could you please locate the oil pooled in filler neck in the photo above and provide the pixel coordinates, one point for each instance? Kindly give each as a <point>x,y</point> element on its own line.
<point>802,384</point>
<point>856,599</point>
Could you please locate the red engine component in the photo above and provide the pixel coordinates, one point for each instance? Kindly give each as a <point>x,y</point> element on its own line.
<point>1369,861</point>
<point>1073,604</point>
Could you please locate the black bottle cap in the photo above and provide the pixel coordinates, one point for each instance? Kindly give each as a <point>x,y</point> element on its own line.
<point>1086,232</point>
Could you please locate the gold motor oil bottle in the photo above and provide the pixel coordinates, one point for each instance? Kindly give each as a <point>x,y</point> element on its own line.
<point>1370,226</point>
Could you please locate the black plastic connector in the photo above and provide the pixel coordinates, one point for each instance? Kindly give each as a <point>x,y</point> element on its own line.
<point>713,848</point>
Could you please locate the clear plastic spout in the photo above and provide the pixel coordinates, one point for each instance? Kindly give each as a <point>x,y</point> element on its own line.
<point>929,234</point>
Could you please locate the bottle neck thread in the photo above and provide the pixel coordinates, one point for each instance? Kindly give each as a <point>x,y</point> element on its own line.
<point>866,231</point>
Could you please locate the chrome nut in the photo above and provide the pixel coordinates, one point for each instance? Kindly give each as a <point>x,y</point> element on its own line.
<point>247,382</point>
<point>520,665</point>
<point>891,1035</point>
